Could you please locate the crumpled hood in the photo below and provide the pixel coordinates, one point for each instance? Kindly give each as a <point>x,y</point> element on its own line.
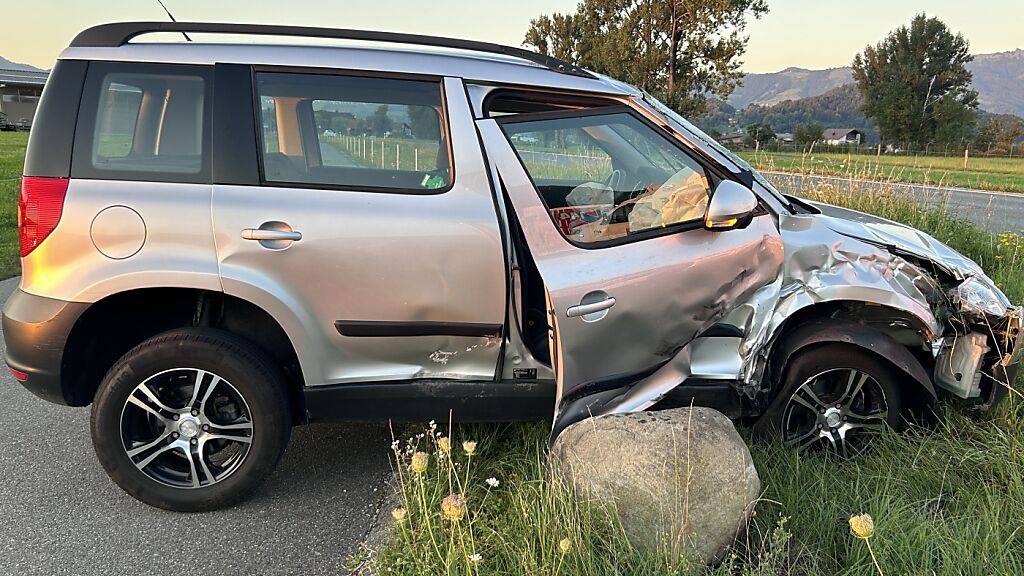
<point>900,237</point>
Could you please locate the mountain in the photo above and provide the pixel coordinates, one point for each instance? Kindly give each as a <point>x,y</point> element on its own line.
<point>789,84</point>
<point>6,64</point>
<point>998,78</point>
<point>837,108</point>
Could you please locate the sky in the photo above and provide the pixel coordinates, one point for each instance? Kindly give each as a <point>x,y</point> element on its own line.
<point>803,33</point>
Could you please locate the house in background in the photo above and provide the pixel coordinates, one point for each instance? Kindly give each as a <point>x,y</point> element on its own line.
<point>842,136</point>
<point>732,139</point>
<point>20,88</point>
<point>785,137</point>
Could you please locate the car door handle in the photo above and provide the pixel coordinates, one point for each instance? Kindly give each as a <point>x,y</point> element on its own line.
<point>271,235</point>
<point>584,309</point>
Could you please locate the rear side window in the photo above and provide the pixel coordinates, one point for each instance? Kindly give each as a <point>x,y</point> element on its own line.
<point>144,122</point>
<point>353,132</point>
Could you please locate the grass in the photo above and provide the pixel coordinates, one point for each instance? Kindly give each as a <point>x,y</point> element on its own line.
<point>1001,174</point>
<point>12,160</point>
<point>947,499</point>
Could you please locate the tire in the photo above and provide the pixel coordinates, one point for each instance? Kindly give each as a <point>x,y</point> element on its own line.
<point>237,421</point>
<point>853,393</point>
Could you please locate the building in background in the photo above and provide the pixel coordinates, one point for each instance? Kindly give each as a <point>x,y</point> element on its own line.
<point>20,87</point>
<point>842,136</point>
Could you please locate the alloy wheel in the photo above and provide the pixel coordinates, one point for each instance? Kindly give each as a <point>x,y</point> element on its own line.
<point>839,408</point>
<point>186,428</point>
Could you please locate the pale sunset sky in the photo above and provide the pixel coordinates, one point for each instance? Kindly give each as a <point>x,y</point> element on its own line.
<point>804,33</point>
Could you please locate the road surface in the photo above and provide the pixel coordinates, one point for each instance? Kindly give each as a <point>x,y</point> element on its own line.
<point>62,515</point>
<point>992,211</point>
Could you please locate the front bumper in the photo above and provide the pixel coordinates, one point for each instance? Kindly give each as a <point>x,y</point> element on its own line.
<point>36,330</point>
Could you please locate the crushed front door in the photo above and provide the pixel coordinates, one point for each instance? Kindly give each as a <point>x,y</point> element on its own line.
<point>612,213</point>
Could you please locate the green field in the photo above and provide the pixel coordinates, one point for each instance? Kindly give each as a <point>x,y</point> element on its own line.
<point>12,160</point>
<point>1002,174</point>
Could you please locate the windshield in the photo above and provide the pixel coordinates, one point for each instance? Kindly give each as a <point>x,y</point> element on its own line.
<point>674,116</point>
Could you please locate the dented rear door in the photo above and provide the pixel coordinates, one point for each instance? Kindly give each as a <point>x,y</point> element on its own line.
<point>623,306</point>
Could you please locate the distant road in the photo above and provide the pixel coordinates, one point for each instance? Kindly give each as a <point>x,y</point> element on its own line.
<point>992,211</point>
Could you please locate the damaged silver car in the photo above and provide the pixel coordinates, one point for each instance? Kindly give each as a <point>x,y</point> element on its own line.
<point>220,241</point>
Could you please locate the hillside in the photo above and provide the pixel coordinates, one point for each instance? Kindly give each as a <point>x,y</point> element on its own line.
<point>789,84</point>
<point>6,64</point>
<point>998,78</point>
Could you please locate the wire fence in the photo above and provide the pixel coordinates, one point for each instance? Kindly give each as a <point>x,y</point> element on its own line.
<point>1013,150</point>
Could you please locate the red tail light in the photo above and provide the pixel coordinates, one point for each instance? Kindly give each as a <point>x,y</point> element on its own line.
<point>39,208</point>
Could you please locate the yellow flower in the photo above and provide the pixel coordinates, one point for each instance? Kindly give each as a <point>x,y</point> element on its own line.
<point>445,444</point>
<point>469,447</point>
<point>453,507</point>
<point>419,462</point>
<point>398,514</point>
<point>564,545</point>
<point>862,526</point>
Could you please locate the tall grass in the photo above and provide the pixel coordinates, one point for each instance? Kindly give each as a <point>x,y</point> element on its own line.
<point>947,498</point>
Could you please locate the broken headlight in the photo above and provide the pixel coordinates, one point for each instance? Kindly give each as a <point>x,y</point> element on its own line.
<point>978,298</point>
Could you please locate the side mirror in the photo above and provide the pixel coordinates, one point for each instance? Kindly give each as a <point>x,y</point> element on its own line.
<point>732,206</point>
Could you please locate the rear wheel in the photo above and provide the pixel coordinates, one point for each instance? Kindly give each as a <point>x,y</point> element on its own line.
<point>190,420</point>
<point>836,397</point>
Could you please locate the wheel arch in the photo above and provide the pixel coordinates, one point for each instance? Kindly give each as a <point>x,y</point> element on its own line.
<point>811,329</point>
<point>113,325</point>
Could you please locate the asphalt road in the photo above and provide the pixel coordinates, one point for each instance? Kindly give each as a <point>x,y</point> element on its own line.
<point>992,211</point>
<point>60,514</point>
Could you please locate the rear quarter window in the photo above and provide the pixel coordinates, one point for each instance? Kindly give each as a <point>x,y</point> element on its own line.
<point>144,122</point>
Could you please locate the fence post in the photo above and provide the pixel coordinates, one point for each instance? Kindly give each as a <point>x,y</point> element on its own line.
<point>398,158</point>
<point>966,155</point>
<point>416,159</point>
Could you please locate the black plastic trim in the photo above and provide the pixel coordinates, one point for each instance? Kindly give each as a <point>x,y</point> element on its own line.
<point>35,332</point>
<point>374,328</point>
<point>722,330</point>
<point>422,400</point>
<point>120,33</point>
<point>234,147</point>
<point>53,130</point>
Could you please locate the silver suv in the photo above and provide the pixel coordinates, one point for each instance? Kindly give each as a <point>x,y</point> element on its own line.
<point>220,241</point>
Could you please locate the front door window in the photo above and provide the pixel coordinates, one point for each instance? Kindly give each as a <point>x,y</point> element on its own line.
<point>609,176</point>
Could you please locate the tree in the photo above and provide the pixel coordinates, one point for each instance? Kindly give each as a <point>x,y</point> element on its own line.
<point>760,134</point>
<point>999,135</point>
<point>807,134</point>
<point>379,124</point>
<point>424,122</point>
<point>915,83</point>
<point>679,50</point>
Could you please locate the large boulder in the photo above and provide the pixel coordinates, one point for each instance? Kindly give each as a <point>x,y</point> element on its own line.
<point>681,482</point>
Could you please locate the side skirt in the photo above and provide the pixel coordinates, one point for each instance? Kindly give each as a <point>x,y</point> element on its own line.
<point>422,400</point>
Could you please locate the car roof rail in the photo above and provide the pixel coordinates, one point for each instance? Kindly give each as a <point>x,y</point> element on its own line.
<point>120,33</point>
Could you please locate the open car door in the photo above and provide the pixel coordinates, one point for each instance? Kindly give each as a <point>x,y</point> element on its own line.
<point>612,210</point>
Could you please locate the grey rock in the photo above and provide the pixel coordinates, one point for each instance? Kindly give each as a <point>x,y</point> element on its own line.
<point>681,482</point>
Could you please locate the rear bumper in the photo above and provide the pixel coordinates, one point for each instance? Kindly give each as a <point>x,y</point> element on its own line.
<point>36,330</point>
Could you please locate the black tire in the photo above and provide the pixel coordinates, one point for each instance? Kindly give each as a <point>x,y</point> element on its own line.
<point>830,371</point>
<point>251,377</point>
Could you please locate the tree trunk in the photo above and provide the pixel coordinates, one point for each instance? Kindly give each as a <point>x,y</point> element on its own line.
<point>673,49</point>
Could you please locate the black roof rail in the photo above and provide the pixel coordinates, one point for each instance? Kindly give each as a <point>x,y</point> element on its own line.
<point>119,33</point>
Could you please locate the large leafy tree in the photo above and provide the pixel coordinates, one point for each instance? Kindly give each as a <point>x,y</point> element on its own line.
<point>916,85</point>
<point>680,50</point>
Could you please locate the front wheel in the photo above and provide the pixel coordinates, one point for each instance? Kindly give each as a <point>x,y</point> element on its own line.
<point>838,397</point>
<point>190,420</point>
